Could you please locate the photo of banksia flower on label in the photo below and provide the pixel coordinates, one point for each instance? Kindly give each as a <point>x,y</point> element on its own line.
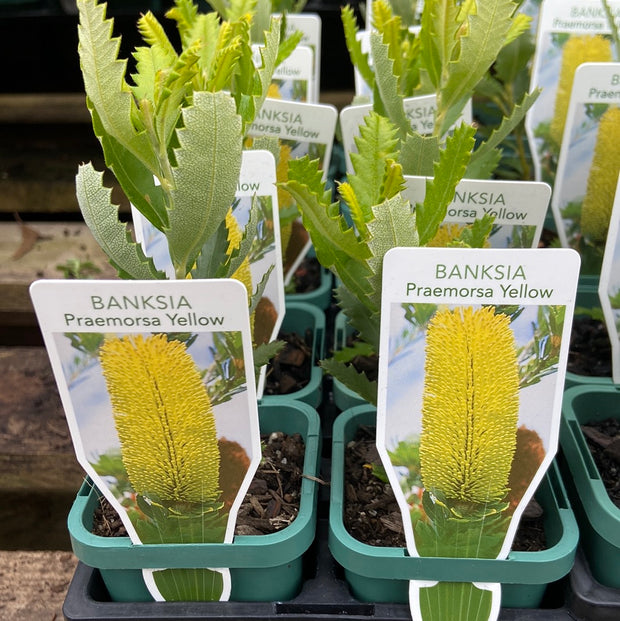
<point>569,34</point>
<point>470,378</point>
<point>589,163</point>
<point>163,420</point>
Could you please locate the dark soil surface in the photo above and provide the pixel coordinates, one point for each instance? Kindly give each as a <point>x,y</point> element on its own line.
<point>372,515</point>
<point>369,365</point>
<point>603,440</point>
<point>290,370</point>
<point>272,501</point>
<point>307,276</point>
<point>590,349</point>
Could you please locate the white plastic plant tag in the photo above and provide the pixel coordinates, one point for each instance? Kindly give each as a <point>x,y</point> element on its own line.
<point>419,110</point>
<point>472,362</point>
<point>264,280</point>
<point>310,25</point>
<point>362,89</point>
<point>569,34</point>
<point>609,286</point>
<point>518,209</point>
<point>157,383</point>
<point>301,129</point>
<point>293,78</point>
<point>589,163</point>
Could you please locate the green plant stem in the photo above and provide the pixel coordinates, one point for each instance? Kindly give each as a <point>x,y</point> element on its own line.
<point>612,27</point>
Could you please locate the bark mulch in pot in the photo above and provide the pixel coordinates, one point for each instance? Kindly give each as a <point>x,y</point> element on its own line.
<point>603,438</point>
<point>272,501</point>
<point>372,515</point>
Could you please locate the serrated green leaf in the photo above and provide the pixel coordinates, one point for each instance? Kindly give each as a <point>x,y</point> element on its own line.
<point>264,352</point>
<point>376,143</point>
<point>448,172</point>
<point>418,153</point>
<point>260,288</point>
<point>363,319</point>
<point>135,179</point>
<point>357,382</point>
<point>175,87</point>
<point>213,260</point>
<point>477,234</point>
<point>387,85</point>
<point>359,348</point>
<point>269,56</point>
<point>104,81</point>
<point>101,216</point>
<point>185,14</point>
<point>498,135</point>
<point>153,33</point>
<point>358,58</point>
<point>478,49</point>
<point>520,24</point>
<point>394,225</point>
<point>438,37</point>
<point>335,244</point>
<point>205,178</point>
<point>513,59</point>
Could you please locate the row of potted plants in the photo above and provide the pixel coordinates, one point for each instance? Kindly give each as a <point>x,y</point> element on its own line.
<point>174,138</point>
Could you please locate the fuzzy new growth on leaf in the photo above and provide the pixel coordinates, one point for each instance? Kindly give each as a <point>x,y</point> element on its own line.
<point>181,123</point>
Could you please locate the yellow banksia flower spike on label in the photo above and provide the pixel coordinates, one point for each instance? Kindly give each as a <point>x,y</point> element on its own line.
<point>470,405</point>
<point>602,179</point>
<point>577,50</point>
<point>164,418</point>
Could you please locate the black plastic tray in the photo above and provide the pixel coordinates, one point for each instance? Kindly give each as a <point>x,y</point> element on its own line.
<point>324,597</point>
<point>587,598</point>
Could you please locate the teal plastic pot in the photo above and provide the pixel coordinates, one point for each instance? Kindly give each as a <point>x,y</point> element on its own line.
<point>298,318</point>
<point>382,574</point>
<point>344,397</point>
<point>320,297</point>
<point>262,567</point>
<point>597,515</point>
<point>587,297</point>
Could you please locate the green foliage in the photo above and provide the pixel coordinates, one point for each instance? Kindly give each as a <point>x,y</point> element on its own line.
<point>459,47</point>
<point>382,219</point>
<point>541,355</point>
<point>173,138</point>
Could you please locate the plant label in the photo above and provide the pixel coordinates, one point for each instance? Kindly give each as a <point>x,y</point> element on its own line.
<point>262,273</point>
<point>518,209</point>
<point>310,25</point>
<point>419,110</point>
<point>293,78</point>
<point>609,285</point>
<point>569,33</point>
<point>157,383</point>
<point>589,163</point>
<point>301,129</point>
<point>472,360</point>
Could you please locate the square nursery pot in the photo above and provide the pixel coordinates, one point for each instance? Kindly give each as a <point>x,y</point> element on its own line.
<point>321,297</point>
<point>263,567</point>
<point>382,574</point>
<point>344,397</point>
<point>300,317</point>
<point>587,298</point>
<point>598,517</point>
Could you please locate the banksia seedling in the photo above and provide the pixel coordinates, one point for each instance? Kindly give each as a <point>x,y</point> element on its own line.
<point>470,405</point>
<point>602,179</point>
<point>576,51</point>
<point>163,417</point>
